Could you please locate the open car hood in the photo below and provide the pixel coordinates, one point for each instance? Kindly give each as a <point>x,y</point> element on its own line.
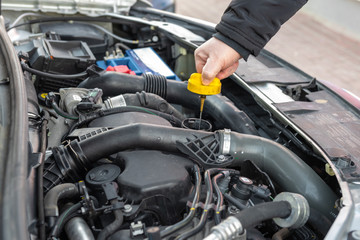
<point>123,155</point>
<point>87,7</point>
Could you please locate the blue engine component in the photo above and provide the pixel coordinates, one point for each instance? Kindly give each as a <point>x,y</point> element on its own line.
<point>141,61</point>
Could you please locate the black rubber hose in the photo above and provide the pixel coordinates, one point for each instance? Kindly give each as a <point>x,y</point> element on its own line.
<point>285,168</point>
<point>63,218</point>
<point>41,212</point>
<point>218,107</point>
<point>171,229</point>
<point>112,227</point>
<point>204,215</point>
<point>253,216</point>
<point>51,75</point>
<point>148,100</point>
<point>134,136</point>
<point>234,202</point>
<point>66,190</point>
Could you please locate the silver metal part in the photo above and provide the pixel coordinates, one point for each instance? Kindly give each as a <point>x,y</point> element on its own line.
<point>230,228</point>
<point>118,101</point>
<point>127,208</point>
<point>300,210</point>
<point>76,228</point>
<point>227,141</point>
<point>70,97</point>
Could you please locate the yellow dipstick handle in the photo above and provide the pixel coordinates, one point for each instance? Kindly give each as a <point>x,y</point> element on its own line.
<point>195,85</point>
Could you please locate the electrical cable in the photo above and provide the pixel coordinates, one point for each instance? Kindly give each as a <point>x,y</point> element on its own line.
<point>51,75</point>
<point>19,18</point>
<point>220,198</point>
<point>122,46</point>
<point>121,39</point>
<point>204,215</point>
<point>61,112</point>
<point>171,229</point>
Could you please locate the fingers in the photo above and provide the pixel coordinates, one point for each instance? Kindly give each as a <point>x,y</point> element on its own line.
<point>228,71</point>
<point>200,61</point>
<point>210,70</point>
<point>215,59</point>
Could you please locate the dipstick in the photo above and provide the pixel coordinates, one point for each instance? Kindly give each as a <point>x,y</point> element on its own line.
<point>195,85</point>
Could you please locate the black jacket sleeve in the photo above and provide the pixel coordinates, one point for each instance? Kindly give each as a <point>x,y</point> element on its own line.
<point>247,25</point>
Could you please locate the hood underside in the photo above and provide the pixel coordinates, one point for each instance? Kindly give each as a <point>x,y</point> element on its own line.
<point>87,7</point>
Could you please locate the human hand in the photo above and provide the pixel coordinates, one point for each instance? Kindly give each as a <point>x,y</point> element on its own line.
<point>215,59</point>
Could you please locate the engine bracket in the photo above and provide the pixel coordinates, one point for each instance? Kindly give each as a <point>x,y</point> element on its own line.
<point>206,151</point>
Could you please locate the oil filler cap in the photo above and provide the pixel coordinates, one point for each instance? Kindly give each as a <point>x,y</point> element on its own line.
<point>102,174</point>
<point>195,85</point>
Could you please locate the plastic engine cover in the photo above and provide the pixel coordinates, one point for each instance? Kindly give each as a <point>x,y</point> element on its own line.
<point>150,173</point>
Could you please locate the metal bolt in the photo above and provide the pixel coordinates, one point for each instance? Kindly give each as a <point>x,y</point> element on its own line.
<point>233,210</point>
<point>221,158</point>
<point>127,208</point>
<point>155,38</point>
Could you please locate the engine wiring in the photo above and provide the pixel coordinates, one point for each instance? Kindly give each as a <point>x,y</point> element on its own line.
<point>171,229</point>
<point>52,75</point>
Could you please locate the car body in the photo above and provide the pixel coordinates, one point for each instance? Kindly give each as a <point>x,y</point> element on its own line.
<point>87,152</point>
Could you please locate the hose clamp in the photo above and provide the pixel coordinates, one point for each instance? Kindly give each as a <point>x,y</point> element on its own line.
<point>226,141</point>
<point>118,101</point>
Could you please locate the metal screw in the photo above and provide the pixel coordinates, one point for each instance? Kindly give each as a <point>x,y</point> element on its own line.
<point>127,208</point>
<point>221,158</point>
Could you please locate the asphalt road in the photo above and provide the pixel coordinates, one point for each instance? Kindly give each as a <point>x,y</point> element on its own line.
<point>304,42</point>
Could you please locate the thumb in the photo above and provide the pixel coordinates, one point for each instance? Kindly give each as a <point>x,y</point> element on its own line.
<point>209,71</point>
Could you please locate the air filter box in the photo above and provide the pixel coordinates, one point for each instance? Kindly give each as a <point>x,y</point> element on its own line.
<point>97,41</point>
<point>59,57</point>
<point>65,57</point>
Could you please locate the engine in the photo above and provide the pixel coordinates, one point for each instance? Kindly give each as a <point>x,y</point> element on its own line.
<point>128,158</point>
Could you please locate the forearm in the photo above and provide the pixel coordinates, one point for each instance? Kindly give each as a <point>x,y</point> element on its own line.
<point>251,24</point>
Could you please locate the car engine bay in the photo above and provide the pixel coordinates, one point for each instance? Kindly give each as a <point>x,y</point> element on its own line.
<point>125,155</point>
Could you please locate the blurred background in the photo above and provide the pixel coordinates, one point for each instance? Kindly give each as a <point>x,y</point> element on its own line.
<point>322,39</point>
